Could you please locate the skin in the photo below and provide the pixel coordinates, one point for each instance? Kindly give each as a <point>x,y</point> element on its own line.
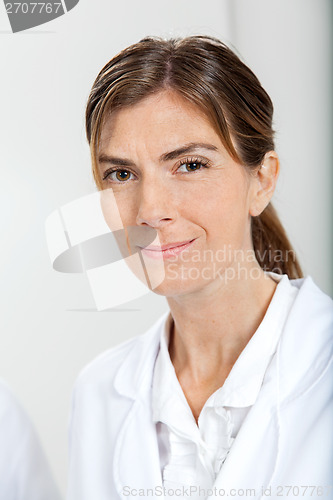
<point>214,316</point>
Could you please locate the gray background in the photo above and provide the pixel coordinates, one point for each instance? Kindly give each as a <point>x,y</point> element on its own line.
<point>47,334</point>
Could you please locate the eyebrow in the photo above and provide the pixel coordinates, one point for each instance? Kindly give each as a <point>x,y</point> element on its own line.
<point>172,155</point>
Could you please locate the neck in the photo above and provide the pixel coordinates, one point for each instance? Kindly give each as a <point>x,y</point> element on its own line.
<point>212,326</point>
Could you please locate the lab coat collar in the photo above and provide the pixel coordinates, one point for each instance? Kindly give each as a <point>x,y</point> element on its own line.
<point>244,382</point>
<point>135,374</point>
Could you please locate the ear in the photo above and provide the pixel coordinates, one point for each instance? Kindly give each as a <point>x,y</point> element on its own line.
<point>265,179</point>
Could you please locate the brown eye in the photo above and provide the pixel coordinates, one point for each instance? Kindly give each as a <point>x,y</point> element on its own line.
<point>193,165</point>
<point>119,176</point>
<point>122,175</point>
<point>190,166</point>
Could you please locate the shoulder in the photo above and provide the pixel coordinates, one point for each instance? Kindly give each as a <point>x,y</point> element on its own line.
<point>104,368</point>
<point>309,289</point>
<point>306,346</point>
<point>312,310</point>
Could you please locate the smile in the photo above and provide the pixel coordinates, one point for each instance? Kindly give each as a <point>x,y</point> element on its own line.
<point>166,251</point>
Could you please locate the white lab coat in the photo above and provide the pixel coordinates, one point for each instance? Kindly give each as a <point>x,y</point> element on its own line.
<point>24,472</point>
<point>286,439</point>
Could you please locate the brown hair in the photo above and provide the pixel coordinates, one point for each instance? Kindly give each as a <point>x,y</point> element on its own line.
<point>205,71</point>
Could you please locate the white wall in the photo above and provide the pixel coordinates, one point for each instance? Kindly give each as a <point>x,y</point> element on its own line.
<point>47,330</point>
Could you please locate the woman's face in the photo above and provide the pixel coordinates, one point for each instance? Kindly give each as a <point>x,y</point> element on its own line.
<point>170,173</point>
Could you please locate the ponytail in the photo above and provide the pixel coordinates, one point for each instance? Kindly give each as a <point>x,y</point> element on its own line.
<point>272,247</point>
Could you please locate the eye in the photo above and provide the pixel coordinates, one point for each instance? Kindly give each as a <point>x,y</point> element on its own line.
<point>117,175</point>
<point>191,165</point>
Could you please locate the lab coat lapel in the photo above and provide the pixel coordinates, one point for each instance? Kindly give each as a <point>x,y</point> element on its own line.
<point>250,463</point>
<point>137,464</point>
<point>136,454</point>
<point>253,455</point>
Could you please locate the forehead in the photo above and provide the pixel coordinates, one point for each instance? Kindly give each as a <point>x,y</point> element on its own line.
<point>158,122</point>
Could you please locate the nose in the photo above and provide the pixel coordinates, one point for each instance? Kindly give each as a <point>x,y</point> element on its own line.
<point>155,206</point>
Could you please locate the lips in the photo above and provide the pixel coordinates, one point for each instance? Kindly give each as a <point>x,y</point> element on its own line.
<point>161,248</point>
<point>166,251</point>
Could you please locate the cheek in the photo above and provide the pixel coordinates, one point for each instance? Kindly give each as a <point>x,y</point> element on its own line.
<point>223,202</point>
<point>223,215</point>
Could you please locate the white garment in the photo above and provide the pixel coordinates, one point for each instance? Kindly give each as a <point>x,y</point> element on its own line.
<point>24,472</point>
<point>286,438</point>
<point>191,454</point>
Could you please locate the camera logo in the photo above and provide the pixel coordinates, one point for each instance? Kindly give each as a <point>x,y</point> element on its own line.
<point>26,15</point>
<point>87,236</point>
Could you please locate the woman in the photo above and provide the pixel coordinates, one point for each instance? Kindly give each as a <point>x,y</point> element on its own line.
<point>230,392</point>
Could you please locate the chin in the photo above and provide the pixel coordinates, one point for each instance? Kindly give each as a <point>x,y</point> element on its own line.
<point>173,288</point>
